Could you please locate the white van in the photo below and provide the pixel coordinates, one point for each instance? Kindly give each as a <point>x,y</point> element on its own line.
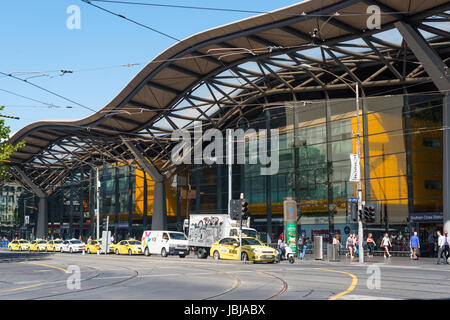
<point>164,243</point>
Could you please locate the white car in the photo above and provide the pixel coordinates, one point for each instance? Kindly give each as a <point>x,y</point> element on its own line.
<point>72,245</point>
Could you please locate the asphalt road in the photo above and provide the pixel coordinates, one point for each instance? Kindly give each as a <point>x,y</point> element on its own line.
<point>54,276</point>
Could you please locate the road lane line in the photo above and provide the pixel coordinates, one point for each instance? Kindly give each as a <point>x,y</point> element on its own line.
<point>349,289</point>
<point>22,288</point>
<point>48,266</point>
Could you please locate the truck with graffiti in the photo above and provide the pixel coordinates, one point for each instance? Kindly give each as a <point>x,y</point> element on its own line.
<point>205,229</point>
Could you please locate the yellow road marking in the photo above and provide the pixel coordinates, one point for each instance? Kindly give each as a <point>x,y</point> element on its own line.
<point>22,288</point>
<point>349,289</point>
<point>49,266</point>
<point>34,285</point>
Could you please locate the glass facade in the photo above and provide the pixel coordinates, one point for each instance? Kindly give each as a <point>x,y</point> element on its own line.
<point>401,169</point>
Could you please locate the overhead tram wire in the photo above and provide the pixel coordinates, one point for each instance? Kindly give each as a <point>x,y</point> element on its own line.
<point>49,91</point>
<point>239,10</point>
<point>132,21</point>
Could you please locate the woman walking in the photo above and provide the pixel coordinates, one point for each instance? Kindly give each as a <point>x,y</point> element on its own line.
<point>386,243</point>
<point>371,245</point>
<point>349,245</point>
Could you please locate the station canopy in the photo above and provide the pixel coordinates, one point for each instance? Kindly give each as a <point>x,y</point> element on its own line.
<point>315,49</point>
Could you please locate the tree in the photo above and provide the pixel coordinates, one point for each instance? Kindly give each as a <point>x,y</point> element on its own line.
<point>6,148</point>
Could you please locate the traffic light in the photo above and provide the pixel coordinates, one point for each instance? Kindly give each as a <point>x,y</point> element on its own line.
<point>244,209</point>
<point>354,211</point>
<point>369,213</point>
<point>235,209</point>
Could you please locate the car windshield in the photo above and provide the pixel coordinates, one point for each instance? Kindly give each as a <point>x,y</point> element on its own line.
<point>43,241</point>
<point>177,236</point>
<point>75,241</point>
<point>23,241</point>
<point>251,242</point>
<point>249,233</point>
<point>57,241</point>
<point>134,242</point>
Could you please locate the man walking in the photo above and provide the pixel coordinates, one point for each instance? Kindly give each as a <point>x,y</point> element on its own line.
<point>441,248</point>
<point>414,244</point>
<point>301,245</point>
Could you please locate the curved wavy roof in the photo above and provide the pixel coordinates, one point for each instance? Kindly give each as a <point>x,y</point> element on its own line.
<point>177,71</point>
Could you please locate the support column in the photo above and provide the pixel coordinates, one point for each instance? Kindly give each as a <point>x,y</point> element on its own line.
<point>268,184</point>
<point>159,217</point>
<point>42,219</point>
<point>130,201</point>
<point>438,71</point>
<point>42,222</point>
<point>446,158</point>
<point>329,151</point>
<point>145,208</point>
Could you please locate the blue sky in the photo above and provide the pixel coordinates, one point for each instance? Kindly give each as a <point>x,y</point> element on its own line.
<point>35,38</point>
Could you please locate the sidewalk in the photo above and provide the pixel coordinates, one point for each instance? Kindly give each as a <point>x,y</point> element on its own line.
<point>393,261</point>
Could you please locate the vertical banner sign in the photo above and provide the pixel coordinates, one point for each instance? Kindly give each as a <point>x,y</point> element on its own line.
<point>290,222</point>
<point>355,173</point>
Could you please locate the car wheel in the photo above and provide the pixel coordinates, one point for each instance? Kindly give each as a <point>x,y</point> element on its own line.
<point>200,253</point>
<point>71,251</point>
<point>146,252</point>
<point>216,255</point>
<point>164,252</point>
<point>117,251</point>
<point>244,256</point>
<point>291,259</point>
<point>130,252</point>
<point>182,255</point>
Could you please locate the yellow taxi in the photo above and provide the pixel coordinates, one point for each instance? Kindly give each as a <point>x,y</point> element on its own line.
<point>128,247</point>
<point>94,246</point>
<point>18,245</point>
<point>111,247</point>
<point>38,245</point>
<point>252,250</point>
<point>54,245</point>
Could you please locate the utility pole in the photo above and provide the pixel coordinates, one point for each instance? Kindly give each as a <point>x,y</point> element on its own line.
<point>230,168</point>
<point>240,230</point>
<point>97,210</point>
<point>358,151</point>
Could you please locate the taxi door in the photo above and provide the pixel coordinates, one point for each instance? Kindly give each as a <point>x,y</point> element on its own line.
<point>233,251</point>
<point>223,248</point>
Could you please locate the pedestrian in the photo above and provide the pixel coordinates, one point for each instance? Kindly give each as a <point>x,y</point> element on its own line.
<point>414,244</point>
<point>280,247</point>
<point>371,245</point>
<point>301,245</point>
<point>386,243</point>
<point>349,245</point>
<point>442,240</point>
<point>337,242</point>
<point>356,247</point>
<point>431,244</point>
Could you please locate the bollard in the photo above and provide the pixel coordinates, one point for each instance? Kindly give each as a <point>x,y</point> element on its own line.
<point>83,251</point>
